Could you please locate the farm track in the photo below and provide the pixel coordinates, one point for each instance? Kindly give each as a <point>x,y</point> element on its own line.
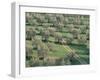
<point>76,56</point>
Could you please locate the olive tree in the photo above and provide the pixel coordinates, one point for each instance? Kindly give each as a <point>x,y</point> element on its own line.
<point>69,27</point>
<point>75,33</point>
<point>59,26</point>
<point>28,51</point>
<point>87,34</point>
<point>50,46</point>
<point>52,19</point>
<point>36,42</point>
<point>69,38</point>
<point>41,18</point>
<point>43,51</point>
<point>58,37</point>
<point>83,29</point>
<point>52,30</point>
<point>77,19</point>
<point>82,39</point>
<point>30,33</point>
<point>28,17</point>
<point>65,20</point>
<point>45,35</point>
<point>60,18</point>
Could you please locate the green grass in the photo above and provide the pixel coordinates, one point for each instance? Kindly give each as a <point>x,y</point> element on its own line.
<point>80,49</point>
<point>59,51</point>
<point>64,33</point>
<point>51,39</point>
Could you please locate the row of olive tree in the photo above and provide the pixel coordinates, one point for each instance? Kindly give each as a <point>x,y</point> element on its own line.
<point>46,33</point>
<point>36,18</point>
